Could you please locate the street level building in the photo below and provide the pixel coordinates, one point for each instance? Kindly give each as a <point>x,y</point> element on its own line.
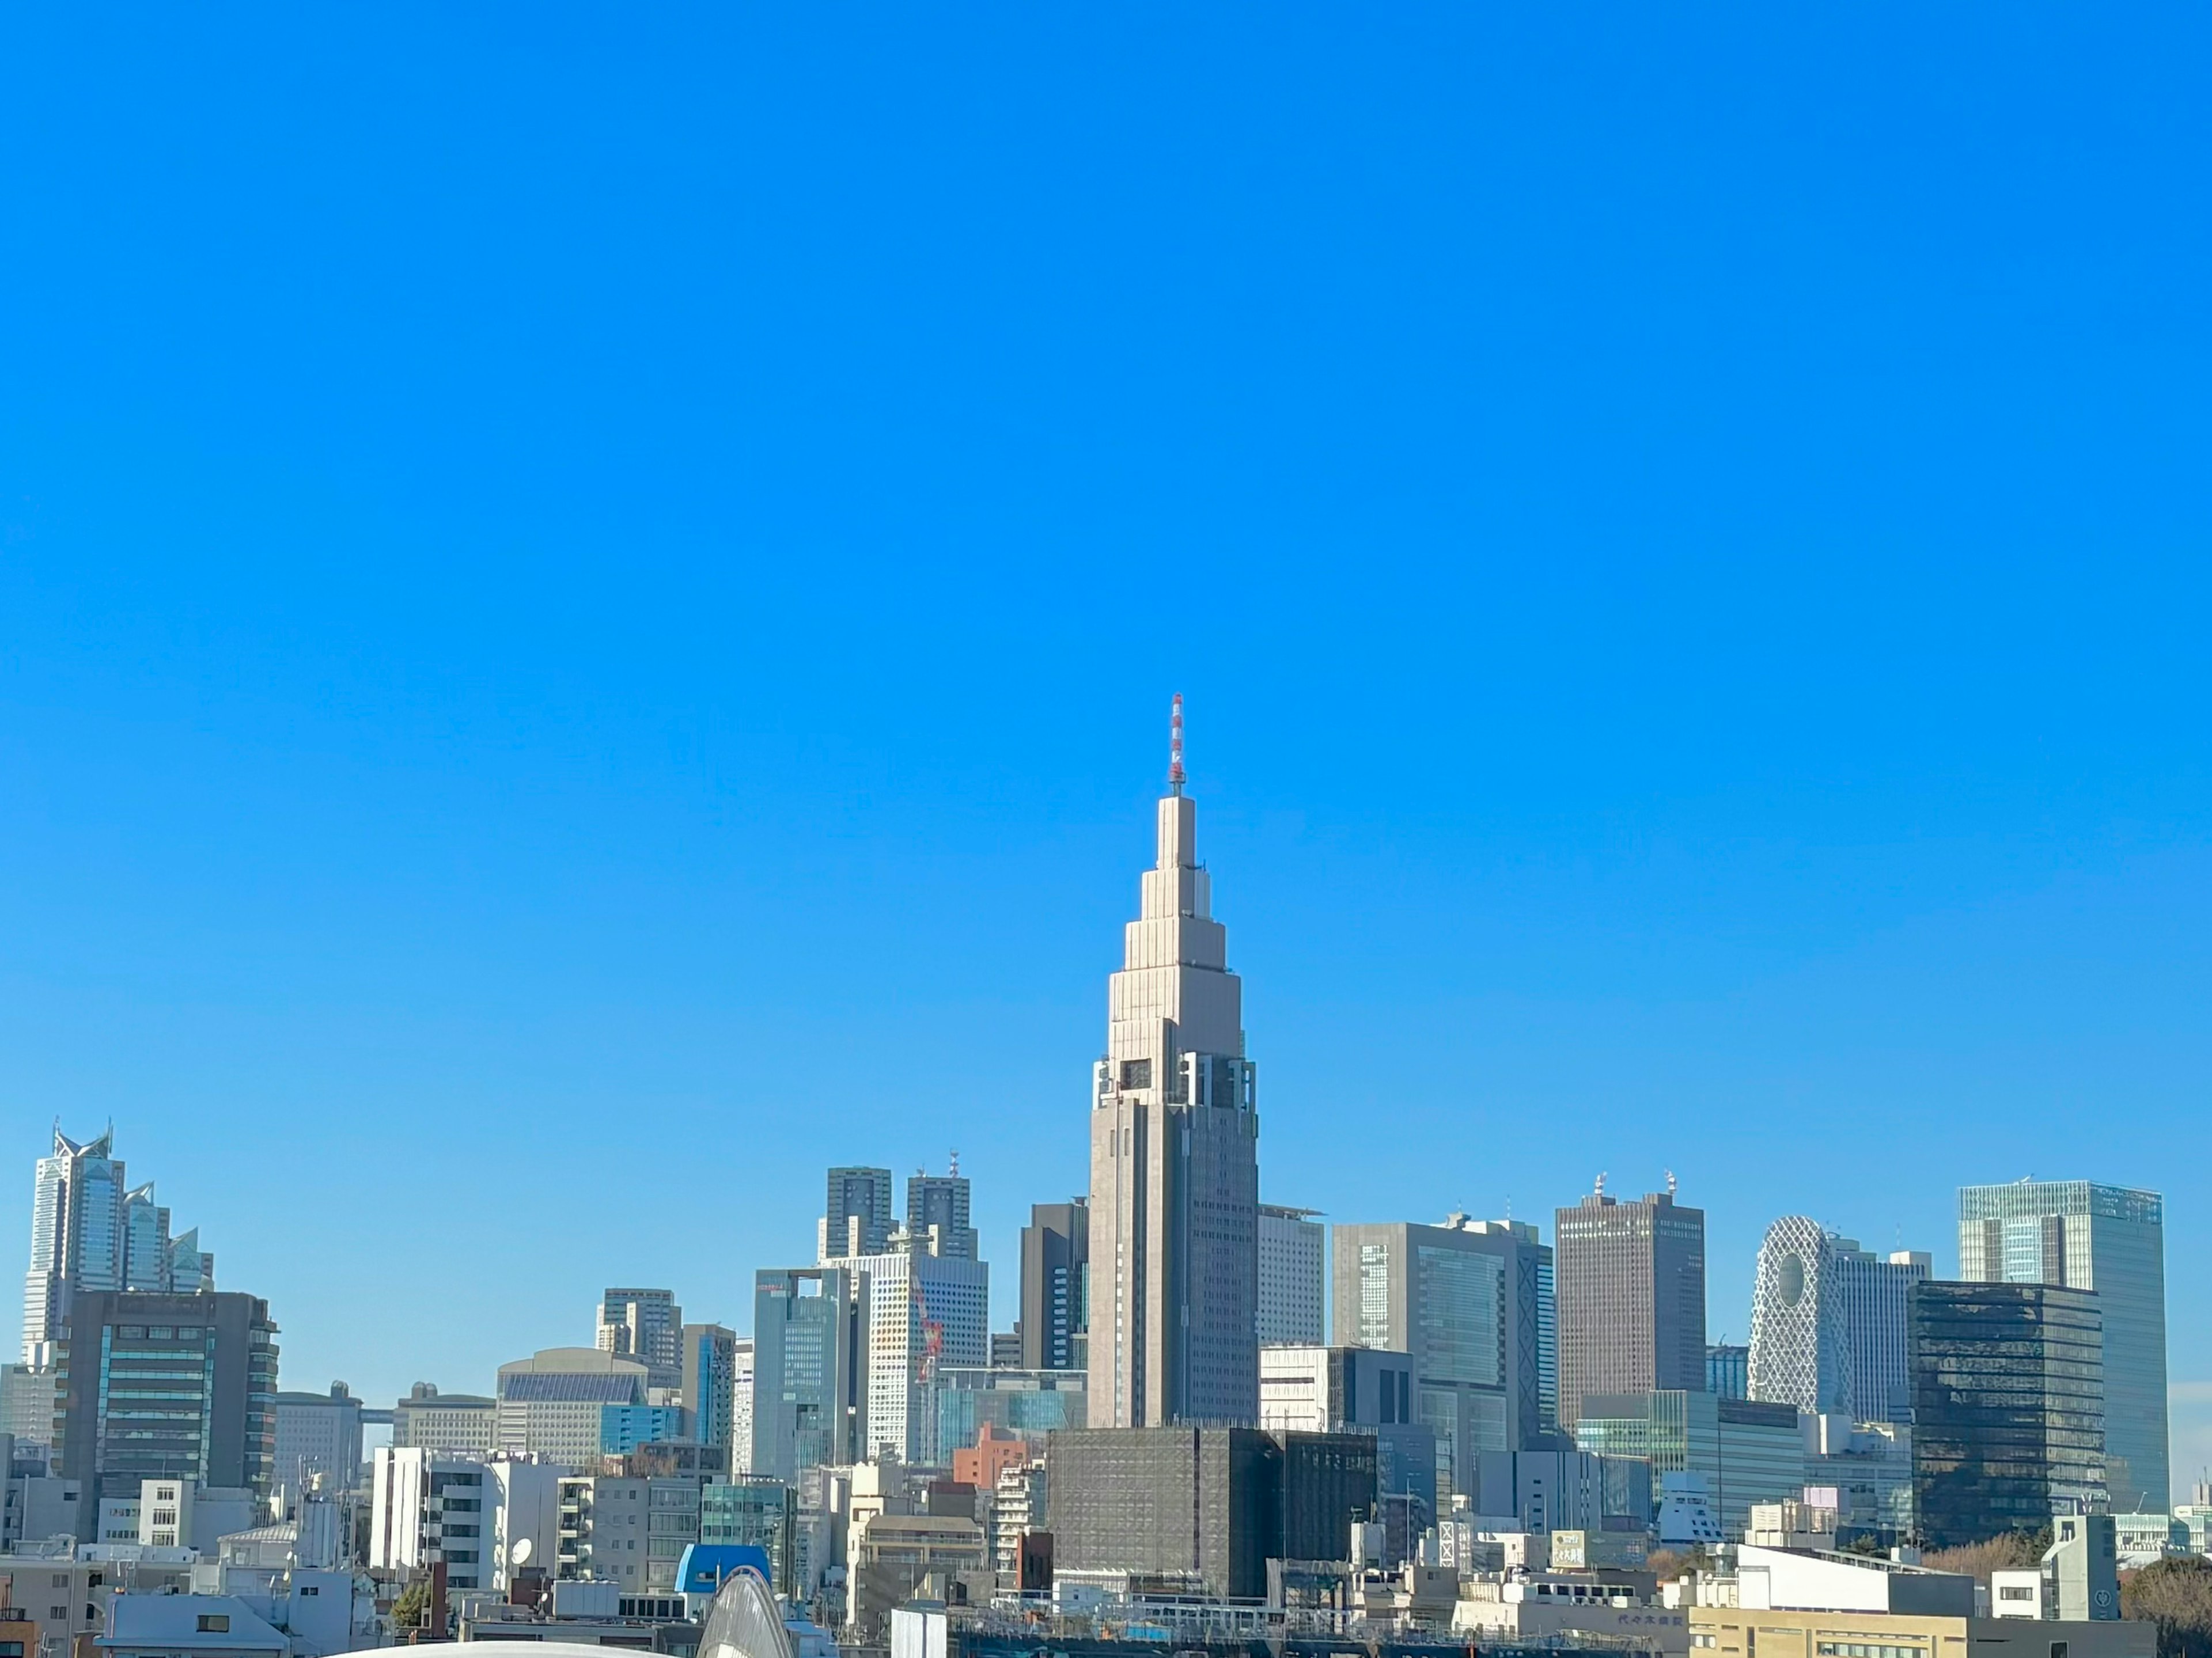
<point>1632,1297</point>
<point>2007,1408</point>
<point>1175,1168</point>
<point>1471,1301</point>
<point>1828,1323</point>
<point>2111,1239</point>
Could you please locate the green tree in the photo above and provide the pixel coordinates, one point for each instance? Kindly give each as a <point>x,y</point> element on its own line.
<point>412,1606</point>
<point>2176,1595</point>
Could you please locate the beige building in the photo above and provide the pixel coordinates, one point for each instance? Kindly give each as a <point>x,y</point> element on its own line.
<point>896,1557</point>
<point>1734,1632</point>
<point>1174,1160</point>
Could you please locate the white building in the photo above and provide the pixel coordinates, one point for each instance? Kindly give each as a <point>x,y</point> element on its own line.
<point>468,1513</point>
<point>920,1313</point>
<point>741,1404</point>
<point>550,1403</point>
<point>1293,1271</point>
<point>429,1420</point>
<point>1828,1323</point>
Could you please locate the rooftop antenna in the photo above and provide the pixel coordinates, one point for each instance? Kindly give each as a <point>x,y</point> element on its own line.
<point>956,1164</point>
<point>1600,1182</point>
<point>1174,746</point>
<point>1670,1182</point>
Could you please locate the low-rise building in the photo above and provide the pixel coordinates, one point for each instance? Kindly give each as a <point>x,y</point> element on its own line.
<point>1615,1609</point>
<point>1778,1632</point>
<point>896,1557</point>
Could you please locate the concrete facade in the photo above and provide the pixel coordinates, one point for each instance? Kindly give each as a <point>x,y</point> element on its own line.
<point>1175,1172</point>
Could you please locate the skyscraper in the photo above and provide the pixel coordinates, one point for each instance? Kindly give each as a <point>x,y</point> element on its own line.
<point>1632,1298</point>
<point>91,1231</point>
<point>856,1219</point>
<point>1293,1269</point>
<point>648,1325</point>
<point>1828,1323</point>
<point>938,1203</point>
<point>166,1386</point>
<point>1174,1165</point>
<point>2106,1238</point>
<point>1054,1323</point>
<point>808,1364</point>
<point>2007,1408</point>
<point>1471,1301</point>
<point>710,1386</point>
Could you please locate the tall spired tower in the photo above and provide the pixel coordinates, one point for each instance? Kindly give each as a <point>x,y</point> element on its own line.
<point>1175,1159</point>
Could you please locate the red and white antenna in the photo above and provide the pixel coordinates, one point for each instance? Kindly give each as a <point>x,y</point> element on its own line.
<point>1175,746</point>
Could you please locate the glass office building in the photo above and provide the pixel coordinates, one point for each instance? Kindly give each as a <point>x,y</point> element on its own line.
<point>2106,1238</point>
<point>1748,1451</point>
<point>761,1514</point>
<point>2007,1408</point>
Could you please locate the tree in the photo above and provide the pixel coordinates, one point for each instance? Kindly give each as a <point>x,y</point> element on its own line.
<point>412,1606</point>
<point>2015,1551</point>
<point>2176,1595</point>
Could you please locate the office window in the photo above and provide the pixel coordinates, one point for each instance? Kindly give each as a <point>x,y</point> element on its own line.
<point>215,1623</point>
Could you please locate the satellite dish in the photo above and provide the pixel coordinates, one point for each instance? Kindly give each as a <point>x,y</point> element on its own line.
<point>521,1552</point>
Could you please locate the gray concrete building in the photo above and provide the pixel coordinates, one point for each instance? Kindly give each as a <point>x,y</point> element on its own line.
<point>1208,1506</point>
<point>1631,1301</point>
<point>856,1218</point>
<point>1174,1168</point>
<point>1471,1301</point>
<point>169,1387</point>
<point>646,1325</point>
<point>810,1370</point>
<point>2111,1240</point>
<point>1053,1324</point>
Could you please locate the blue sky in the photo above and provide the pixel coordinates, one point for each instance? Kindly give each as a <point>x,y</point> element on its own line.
<point>588,603</point>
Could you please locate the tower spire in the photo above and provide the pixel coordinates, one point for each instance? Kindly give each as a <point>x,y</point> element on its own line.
<point>1174,746</point>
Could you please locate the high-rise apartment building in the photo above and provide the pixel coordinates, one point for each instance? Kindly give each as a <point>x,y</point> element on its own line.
<point>1054,1323</point>
<point>1174,1165</point>
<point>856,1218</point>
<point>165,1387</point>
<point>91,1231</point>
<point>1293,1276</point>
<point>808,1371</point>
<point>936,1215</point>
<point>1828,1323</point>
<point>1471,1301</point>
<point>710,1382</point>
<point>1632,1297</point>
<point>646,1325</point>
<point>2106,1238</point>
<point>2007,1407</point>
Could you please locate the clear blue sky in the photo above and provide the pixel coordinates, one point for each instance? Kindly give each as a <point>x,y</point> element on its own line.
<point>588,602</point>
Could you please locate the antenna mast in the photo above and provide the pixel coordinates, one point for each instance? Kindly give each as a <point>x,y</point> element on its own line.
<point>1174,746</point>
